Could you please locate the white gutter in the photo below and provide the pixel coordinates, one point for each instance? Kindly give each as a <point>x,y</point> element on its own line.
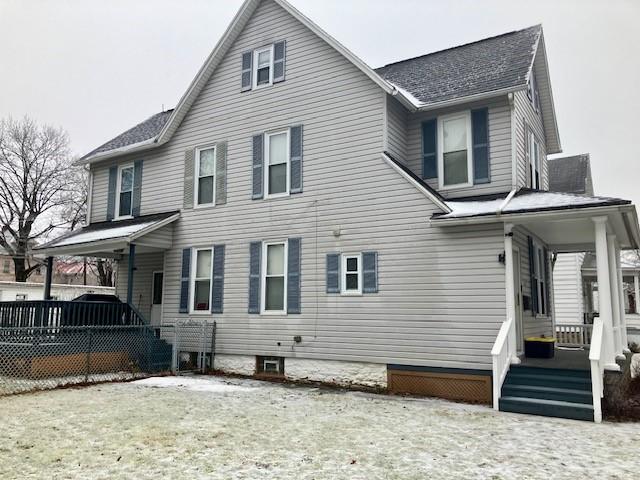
<point>134,147</point>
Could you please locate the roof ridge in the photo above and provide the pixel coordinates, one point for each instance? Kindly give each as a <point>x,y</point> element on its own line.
<point>538,26</point>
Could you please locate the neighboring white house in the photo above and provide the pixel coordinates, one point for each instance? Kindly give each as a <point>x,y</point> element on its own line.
<point>16,291</point>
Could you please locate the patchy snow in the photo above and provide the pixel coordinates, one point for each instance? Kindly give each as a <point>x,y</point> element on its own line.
<point>521,202</point>
<point>102,234</point>
<point>417,103</point>
<point>268,431</point>
<point>12,385</point>
<point>195,384</point>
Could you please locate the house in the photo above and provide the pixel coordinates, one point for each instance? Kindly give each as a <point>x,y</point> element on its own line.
<point>389,227</point>
<point>8,273</point>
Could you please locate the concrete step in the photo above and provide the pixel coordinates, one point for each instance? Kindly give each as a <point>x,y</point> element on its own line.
<point>548,393</point>
<point>547,408</point>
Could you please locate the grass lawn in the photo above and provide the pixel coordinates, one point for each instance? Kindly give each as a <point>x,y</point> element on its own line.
<point>210,427</point>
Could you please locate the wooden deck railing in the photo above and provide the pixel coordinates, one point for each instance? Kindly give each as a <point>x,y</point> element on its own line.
<point>54,313</point>
<point>573,335</point>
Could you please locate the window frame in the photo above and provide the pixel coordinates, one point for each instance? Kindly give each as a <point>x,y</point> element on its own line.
<point>343,275</point>
<point>121,168</point>
<point>539,268</point>
<point>535,163</point>
<point>440,148</point>
<point>196,176</point>
<point>263,277</point>
<point>193,279</point>
<point>287,162</point>
<point>534,95</point>
<point>254,67</point>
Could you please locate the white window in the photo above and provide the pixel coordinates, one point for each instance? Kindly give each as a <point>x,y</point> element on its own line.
<point>534,96</point>
<point>454,150</point>
<point>274,277</point>
<point>263,67</point>
<point>205,182</point>
<point>535,161</point>
<point>351,274</point>
<point>277,163</point>
<point>21,296</point>
<point>124,193</point>
<point>201,280</point>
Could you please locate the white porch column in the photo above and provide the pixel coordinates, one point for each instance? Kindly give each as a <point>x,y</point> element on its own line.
<point>510,292</point>
<point>623,316</point>
<point>604,292</point>
<point>636,288</point>
<point>616,319</point>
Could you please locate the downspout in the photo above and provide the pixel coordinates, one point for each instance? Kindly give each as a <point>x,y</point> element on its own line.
<point>506,201</point>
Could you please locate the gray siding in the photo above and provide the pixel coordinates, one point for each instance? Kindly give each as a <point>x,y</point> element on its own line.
<point>146,264</point>
<point>500,155</point>
<point>524,112</point>
<point>567,288</point>
<point>441,291</point>
<point>396,128</point>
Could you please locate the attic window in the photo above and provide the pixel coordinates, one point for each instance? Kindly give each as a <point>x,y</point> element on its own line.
<point>263,67</point>
<point>532,92</point>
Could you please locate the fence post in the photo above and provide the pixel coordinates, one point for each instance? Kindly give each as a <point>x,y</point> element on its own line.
<point>174,352</point>
<point>213,344</point>
<point>89,346</point>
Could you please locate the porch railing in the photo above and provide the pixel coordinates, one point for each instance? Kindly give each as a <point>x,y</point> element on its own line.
<point>597,368</point>
<point>503,352</point>
<point>574,335</point>
<point>54,314</point>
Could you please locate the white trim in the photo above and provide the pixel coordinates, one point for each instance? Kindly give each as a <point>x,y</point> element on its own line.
<point>514,141</point>
<point>263,277</point>
<point>254,67</point>
<point>439,203</point>
<point>466,115</point>
<point>196,176</point>
<point>466,99</point>
<point>134,147</point>
<point>267,137</point>
<point>343,275</point>
<point>87,219</point>
<point>125,166</point>
<point>193,279</point>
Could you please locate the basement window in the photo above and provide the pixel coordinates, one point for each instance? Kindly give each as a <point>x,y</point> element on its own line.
<point>270,365</point>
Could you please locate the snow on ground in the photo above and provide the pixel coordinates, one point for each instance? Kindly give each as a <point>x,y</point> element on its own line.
<point>214,428</point>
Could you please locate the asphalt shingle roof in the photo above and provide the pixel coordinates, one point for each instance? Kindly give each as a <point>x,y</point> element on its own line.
<point>141,132</point>
<point>486,65</point>
<point>571,174</point>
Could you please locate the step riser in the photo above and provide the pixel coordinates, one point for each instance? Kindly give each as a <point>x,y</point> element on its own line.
<point>553,382</point>
<point>517,369</point>
<point>513,391</point>
<point>546,411</point>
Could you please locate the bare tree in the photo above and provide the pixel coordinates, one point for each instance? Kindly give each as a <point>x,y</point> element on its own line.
<point>37,180</point>
<point>104,269</point>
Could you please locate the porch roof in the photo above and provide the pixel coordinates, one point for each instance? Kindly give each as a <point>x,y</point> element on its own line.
<point>111,237</point>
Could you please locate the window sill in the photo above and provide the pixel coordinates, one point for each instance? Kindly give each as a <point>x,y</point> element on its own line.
<point>351,294</point>
<point>260,87</point>
<point>457,185</point>
<point>204,206</point>
<point>273,313</point>
<point>124,217</point>
<point>277,196</point>
<point>200,312</point>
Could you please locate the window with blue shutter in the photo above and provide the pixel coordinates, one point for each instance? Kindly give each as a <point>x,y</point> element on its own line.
<point>184,281</point>
<point>532,275</point>
<point>429,149</point>
<point>111,193</point>
<point>294,263</point>
<point>279,53</point>
<point>480,135</point>
<point>247,69</point>
<point>369,272</point>
<point>255,250</point>
<point>257,167</point>
<point>137,188</point>
<point>217,276</point>
<point>333,273</point>
<point>295,164</point>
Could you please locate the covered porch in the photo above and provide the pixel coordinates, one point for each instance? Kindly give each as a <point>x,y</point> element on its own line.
<point>135,243</point>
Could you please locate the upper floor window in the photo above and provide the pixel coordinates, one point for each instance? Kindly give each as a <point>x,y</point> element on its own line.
<point>263,67</point>
<point>352,274</point>
<point>277,163</point>
<point>201,281</point>
<point>124,194</point>
<point>274,277</point>
<point>535,161</point>
<point>532,92</point>
<point>205,178</point>
<point>6,266</point>
<point>539,278</point>
<point>455,153</point>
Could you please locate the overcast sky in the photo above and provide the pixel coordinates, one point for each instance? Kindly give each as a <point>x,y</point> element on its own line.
<point>97,68</point>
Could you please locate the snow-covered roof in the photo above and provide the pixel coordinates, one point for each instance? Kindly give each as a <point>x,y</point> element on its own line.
<point>524,201</point>
<point>126,230</point>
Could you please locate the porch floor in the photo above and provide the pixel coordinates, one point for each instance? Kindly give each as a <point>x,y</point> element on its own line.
<point>571,359</point>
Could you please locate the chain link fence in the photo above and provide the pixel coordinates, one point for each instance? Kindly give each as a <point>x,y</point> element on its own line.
<point>193,345</point>
<point>38,358</point>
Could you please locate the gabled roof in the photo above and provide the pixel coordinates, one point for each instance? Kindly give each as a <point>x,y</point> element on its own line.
<point>488,67</point>
<point>499,63</point>
<point>571,174</point>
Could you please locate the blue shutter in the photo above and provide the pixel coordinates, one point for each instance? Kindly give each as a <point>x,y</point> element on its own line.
<point>547,279</point>
<point>333,273</point>
<point>279,53</point>
<point>221,173</point>
<point>255,251</point>
<point>295,163</point>
<point>137,188</point>
<point>258,167</point>
<point>532,275</point>
<point>369,272</point>
<point>217,278</point>
<point>429,149</point>
<point>247,69</point>
<point>111,193</point>
<point>293,275</point>
<point>480,134</point>
<point>184,280</point>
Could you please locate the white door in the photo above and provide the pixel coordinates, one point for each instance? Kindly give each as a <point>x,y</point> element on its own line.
<point>156,298</point>
<point>517,289</point>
